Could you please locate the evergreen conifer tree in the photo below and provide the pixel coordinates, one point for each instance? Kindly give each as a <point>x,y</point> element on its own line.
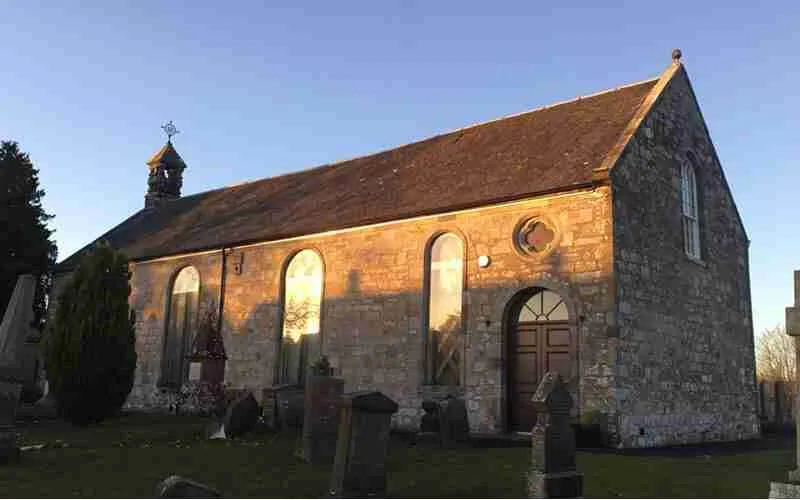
<point>25,244</point>
<point>90,354</point>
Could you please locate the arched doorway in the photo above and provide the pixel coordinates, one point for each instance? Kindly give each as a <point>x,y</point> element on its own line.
<point>540,338</point>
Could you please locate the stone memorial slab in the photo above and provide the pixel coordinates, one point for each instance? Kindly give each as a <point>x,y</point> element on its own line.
<point>553,473</point>
<point>453,421</point>
<point>359,468</point>
<point>321,418</point>
<point>791,489</point>
<point>180,487</point>
<point>290,406</point>
<point>9,399</point>
<point>242,415</point>
<point>194,371</point>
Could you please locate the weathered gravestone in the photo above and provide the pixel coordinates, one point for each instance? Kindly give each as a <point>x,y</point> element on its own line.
<point>453,421</point>
<point>321,418</point>
<point>429,423</point>
<point>180,487</point>
<point>283,406</point>
<point>791,489</point>
<point>20,359</point>
<point>553,473</point>
<point>359,469</point>
<point>241,415</point>
<point>9,399</point>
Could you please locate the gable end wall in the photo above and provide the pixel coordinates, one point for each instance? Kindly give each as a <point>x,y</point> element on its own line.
<point>685,364</point>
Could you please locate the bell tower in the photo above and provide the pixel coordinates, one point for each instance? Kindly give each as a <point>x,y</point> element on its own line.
<point>166,172</point>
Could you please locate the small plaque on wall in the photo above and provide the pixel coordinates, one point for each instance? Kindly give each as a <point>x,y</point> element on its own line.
<point>194,370</point>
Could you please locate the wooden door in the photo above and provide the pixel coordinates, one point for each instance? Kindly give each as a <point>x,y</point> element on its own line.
<point>536,348</point>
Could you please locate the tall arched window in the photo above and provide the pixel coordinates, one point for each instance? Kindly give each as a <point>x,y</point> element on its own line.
<point>445,287</point>
<point>689,208</point>
<point>181,324</point>
<point>302,303</point>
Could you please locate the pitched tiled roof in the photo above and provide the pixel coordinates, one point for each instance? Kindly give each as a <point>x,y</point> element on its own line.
<point>545,150</point>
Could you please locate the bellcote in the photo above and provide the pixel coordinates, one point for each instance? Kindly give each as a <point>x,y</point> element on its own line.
<point>166,176</point>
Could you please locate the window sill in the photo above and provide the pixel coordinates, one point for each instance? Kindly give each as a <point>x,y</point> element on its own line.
<point>695,260</point>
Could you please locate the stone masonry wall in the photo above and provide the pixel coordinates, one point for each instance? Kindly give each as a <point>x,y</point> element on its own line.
<point>685,364</point>
<point>150,285</point>
<point>372,303</point>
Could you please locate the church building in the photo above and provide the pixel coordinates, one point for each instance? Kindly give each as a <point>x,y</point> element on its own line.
<point>595,237</point>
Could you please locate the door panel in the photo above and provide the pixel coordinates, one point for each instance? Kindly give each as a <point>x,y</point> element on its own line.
<point>535,348</point>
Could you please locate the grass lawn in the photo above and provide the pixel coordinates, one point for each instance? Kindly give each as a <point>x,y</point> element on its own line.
<point>127,457</point>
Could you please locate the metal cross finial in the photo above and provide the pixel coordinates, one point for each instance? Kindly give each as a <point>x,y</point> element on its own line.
<point>170,130</point>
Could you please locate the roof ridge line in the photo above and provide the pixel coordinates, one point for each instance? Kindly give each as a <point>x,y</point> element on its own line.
<point>441,134</point>
<point>533,110</point>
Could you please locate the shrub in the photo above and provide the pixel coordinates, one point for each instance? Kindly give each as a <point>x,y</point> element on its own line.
<point>89,349</point>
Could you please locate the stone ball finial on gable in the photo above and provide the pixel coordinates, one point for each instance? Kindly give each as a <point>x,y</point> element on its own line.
<point>676,55</point>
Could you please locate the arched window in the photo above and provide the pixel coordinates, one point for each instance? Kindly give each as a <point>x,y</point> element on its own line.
<point>689,209</point>
<point>445,275</point>
<point>302,303</point>
<point>181,324</point>
<point>544,305</point>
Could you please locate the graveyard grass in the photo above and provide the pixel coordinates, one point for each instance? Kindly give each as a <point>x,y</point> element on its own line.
<point>128,456</point>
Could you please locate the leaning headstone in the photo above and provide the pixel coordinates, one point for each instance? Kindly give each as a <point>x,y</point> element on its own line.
<point>321,418</point>
<point>180,487</point>
<point>453,422</point>
<point>791,489</point>
<point>359,469</point>
<point>9,399</point>
<point>241,415</point>
<point>553,473</point>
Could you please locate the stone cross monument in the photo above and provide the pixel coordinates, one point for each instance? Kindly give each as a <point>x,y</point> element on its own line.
<point>792,488</point>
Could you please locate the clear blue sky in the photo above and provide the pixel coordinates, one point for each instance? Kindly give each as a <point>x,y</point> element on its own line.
<point>258,91</point>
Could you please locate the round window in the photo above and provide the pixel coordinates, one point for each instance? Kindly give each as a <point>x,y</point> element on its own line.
<point>535,236</point>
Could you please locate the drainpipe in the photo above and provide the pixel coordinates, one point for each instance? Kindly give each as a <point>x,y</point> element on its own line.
<point>221,291</point>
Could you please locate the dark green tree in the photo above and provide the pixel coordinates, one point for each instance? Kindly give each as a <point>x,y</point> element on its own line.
<point>25,244</point>
<point>89,347</point>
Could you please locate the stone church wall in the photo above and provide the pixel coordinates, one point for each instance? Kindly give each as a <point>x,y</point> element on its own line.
<point>685,364</point>
<point>151,284</point>
<point>372,303</point>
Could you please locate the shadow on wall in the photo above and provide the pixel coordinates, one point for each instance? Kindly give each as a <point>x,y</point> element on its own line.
<point>375,341</point>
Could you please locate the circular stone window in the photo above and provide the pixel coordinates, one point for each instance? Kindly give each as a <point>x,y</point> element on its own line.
<point>535,237</point>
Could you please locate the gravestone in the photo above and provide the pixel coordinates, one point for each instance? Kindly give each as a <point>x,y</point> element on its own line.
<point>453,421</point>
<point>791,489</point>
<point>553,473</point>
<point>359,469</point>
<point>283,406</point>
<point>9,399</point>
<point>321,418</point>
<point>241,415</point>
<point>20,358</point>
<point>180,487</point>
<point>429,423</point>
